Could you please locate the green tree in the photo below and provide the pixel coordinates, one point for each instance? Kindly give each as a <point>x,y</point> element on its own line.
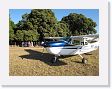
<point>11,30</point>
<point>61,29</point>
<point>39,20</point>
<point>19,36</point>
<point>79,24</point>
<point>30,36</point>
<point>11,35</point>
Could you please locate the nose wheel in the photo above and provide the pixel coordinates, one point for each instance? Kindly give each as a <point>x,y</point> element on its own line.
<point>84,60</point>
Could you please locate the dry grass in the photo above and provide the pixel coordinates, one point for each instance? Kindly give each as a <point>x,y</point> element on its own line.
<point>29,62</point>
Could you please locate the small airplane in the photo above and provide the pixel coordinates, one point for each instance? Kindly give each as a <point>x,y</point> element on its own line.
<point>73,45</point>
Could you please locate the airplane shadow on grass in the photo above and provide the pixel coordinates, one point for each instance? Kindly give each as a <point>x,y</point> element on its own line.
<point>44,57</point>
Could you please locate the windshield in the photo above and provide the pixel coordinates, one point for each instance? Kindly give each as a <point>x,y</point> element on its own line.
<point>68,39</point>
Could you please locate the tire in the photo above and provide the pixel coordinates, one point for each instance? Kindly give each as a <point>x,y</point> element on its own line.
<point>54,60</point>
<point>85,61</point>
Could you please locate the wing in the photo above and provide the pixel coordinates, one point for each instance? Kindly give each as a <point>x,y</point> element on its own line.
<point>90,37</point>
<point>93,36</point>
<point>84,36</point>
<point>53,38</point>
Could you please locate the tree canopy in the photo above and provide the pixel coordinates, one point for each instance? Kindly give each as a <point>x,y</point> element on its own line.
<point>78,24</point>
<point>11,30</point>
<point>39,20</point>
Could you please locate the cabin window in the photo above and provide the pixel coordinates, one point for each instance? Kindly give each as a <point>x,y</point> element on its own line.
<point>86,43</point>
<point>76,42</point>
<point>82,43</point>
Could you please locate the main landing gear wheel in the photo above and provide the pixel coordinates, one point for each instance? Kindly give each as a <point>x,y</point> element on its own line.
<point>85,61</point>
<point>54,59</point>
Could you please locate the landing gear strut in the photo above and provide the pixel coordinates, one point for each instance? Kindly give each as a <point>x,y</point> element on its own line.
<point>54,59</point>
<point>43,51</point>
<point>84,60</point>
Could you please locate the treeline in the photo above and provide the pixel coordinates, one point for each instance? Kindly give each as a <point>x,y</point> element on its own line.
<point>41,23</point>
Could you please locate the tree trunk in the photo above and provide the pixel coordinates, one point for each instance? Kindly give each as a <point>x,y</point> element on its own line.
<point>15,43</point>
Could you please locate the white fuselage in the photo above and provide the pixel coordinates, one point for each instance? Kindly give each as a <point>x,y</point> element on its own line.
<point>73,50</point>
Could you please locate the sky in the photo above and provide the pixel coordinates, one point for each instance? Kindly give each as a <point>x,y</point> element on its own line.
<point>15,14</point>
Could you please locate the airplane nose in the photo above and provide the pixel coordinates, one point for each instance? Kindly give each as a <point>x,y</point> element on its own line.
<point>42,43</point>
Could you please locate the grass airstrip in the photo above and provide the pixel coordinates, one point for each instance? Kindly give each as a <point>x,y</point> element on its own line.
<point>29,61</point>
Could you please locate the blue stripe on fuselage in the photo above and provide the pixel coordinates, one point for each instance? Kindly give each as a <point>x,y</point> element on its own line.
<point>56,44</point>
